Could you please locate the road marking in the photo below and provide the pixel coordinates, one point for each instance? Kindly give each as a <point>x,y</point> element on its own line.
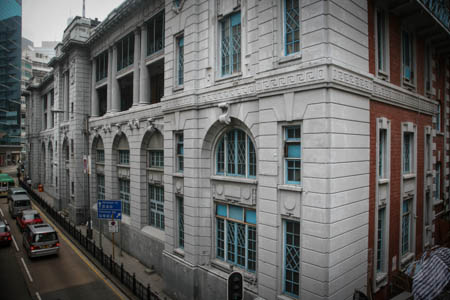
<point>26,269</point>
<point>1,212</point>
<point>83,258</point>
<point>38,296</point>
<point>15,244</point>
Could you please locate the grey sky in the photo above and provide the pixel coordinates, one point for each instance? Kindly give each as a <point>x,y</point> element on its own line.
<point>45,20</point>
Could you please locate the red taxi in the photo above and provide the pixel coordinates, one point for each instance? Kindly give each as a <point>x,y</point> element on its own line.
<point>26,217</point>
<point>5,235</point>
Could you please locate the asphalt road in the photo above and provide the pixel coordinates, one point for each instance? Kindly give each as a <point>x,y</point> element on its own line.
<point>69,275</point>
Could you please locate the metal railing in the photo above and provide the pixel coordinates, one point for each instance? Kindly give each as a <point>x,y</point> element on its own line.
<point>107,262</point>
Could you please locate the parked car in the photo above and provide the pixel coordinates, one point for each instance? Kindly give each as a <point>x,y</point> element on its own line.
<point>16,191</point>
<point>29,216</point>
<point>40,240</point>
<point>5,234</point>
<point>17,203</point>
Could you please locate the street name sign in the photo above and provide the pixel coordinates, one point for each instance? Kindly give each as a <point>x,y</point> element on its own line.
<point>109,209</point>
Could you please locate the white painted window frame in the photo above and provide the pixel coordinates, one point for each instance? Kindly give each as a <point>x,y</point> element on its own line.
<point>380,278</point>
<point>382,73</point>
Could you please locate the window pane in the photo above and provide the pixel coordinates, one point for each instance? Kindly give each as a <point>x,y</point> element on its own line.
<point>380,239</point>
<point>221,210</point>
<point>236,212</point>
<point>292,258</point>
<point>251,159</point>
<point>292,27</point>
<point>180,222</point>
<point>156,200</point>
<point>221,157</point>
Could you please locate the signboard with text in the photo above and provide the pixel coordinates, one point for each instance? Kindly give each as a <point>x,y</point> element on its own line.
<point>107,209</point>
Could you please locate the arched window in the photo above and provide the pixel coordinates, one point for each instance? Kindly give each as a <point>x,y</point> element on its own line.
<point>235,154</point>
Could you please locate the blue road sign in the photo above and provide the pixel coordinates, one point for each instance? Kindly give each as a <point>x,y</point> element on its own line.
<point>107,208</point>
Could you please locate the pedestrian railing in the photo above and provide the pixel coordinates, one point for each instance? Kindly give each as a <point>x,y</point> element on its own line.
<point>118,271</point>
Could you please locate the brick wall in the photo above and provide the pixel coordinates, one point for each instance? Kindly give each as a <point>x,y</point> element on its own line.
<point>396,115</point>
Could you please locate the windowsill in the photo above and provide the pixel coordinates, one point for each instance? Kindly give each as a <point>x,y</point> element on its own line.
<point>429,173</point>
<point>383,75</point>
<point>406,259</point>
<point>101,82</point>
<point>179,252</point>
<point>123,166</point>
<point>409,176</point>
<point>154,232</point>
<point>178,174</point>
<point>234,179</point>
<point>381,279</point>
<point>228,268</point>
<point>285,297</point>
<point>155,169</point>
<point>125,71</point>
<point>178,88</point>
<point>151,58</point>
<point>439,133</point>
<point>289,58</point>
<point>290,187</point>
<point>408,85</point>
<point>100,163</point>
<point>437,202</point>
<point>383,181</point>
<point>229,77</point>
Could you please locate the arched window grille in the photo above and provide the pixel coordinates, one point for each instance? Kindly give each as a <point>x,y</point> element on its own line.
<point>236,155</point>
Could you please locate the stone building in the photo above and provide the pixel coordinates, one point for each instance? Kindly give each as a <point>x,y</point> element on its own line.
<point>245,135</point>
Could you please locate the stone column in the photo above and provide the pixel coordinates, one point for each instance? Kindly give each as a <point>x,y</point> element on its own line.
<point>144,84</point>
<point>49,110</point>
<point>137,51</point>
<point>115,91</point>
<point>66,95</point>
<point>109,88</point>
<point>94,96</point>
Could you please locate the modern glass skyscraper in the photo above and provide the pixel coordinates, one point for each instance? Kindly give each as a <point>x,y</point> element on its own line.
<point>10,75</point>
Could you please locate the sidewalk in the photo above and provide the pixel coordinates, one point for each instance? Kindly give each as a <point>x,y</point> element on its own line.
<point>131,264</point>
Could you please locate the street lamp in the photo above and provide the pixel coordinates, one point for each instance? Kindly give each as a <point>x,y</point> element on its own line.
<point>85,132</point>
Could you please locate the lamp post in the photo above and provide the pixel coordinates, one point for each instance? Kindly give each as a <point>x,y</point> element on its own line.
<point>85,131</point>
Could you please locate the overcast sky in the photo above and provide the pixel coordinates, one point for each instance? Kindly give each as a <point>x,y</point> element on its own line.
<point>45,20</point>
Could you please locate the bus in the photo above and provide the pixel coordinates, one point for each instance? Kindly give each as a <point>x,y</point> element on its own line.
<point>6,182</point>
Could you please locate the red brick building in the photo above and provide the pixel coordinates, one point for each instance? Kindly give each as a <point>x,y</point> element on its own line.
<point>409,47</point>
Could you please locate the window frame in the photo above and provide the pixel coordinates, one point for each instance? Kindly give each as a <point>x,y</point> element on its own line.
<point>285,31</point>
<point>100,187</point>
<point>100,156</point>
<point>179,59</point>
<point>156,206</point>
<point>224,239</point>
<point>438,118</point>
<point>180,221</point>
<point>380,264</point>
<point>124,196</point>
<point>285,252</point>
<point>437,182</point>
<point>101,66</point>
<point>228,21</point>
<point>382,40</point>
<point>123,157</point>
<point>249,162</point>
<point>152,47</point>
<point>179,152</point>
<point>410,43</point>
<point>286,158</point>
<point>409,214</point>
<point>125,59</point>
<point>408,163</point>
<point>155,158</point>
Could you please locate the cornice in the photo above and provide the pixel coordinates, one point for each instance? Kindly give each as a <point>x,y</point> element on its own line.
<point>327,74</point>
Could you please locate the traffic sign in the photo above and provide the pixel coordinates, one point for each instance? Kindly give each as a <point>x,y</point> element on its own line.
<point>113,226</point>
<point>109,209</point>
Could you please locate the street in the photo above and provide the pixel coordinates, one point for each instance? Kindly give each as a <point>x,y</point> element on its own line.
<point>69,275</point>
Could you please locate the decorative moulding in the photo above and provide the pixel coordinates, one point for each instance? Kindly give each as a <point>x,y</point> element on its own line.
<point>225,116</point>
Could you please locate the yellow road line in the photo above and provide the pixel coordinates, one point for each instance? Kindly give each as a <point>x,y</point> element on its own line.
<point>86,261</point>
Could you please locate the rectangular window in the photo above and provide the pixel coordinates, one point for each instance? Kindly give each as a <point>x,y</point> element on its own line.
<point>101,62</point>
<point>236,236</point>
<point>428,152</point>
<point>438,118</point>
<point>124,157</point>
<point>100,187</point>
<point>156,201</point>
<point>408,144</point>
<point>180,60</point>
<point>124,186</point>
<point>408,57</point>
<point>291,258</point>
<point>156,158</point>
<point>382,154</point>
<point>427,210</point>
<point>155,33</point>
<point>230,45</point>
<point>291,26</point>
<point>437,181</point>
<point>292,154</point>
<point>406,226</point>
<point>100,156</point>
<point>428,60</point>
<point>180,151</point>
<point>381,41</point>
<point>125,51</point>
<point>180,204</point>
<point>72,151</point>
<point>381,239</point>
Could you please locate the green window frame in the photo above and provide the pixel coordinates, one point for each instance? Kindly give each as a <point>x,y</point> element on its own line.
<point>156,206</point>
<point>291,27</point>
<point>180,60</point>
<point>291,258</point>
<point>292,154</point>
<point>179,152</point>
<point>230,45</point>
